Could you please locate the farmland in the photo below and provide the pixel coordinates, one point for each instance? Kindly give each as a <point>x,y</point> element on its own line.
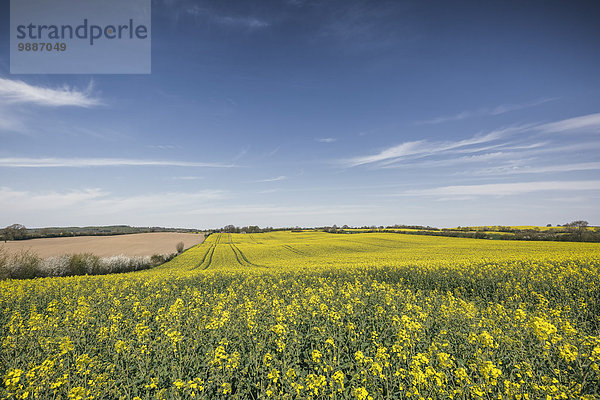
<point>138,244</point>
<point>315,315</point>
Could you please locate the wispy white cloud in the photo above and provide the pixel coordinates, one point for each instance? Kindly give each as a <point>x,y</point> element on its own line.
<point>268,191</point>
<point>242,153</point>
<point>357,27</point>
<point>394,152</point>
<point>528,139</point>
<point>516,154</point>
<point>18,100</point>
<point>187,178</point>
<point>16,200</point>
<point>272,209</point>
<point>471,159</point>
<point>278,178</point>
<point>164,146</point>
<point>98,202</point>
<point>498,110</point>
<point>422,148</point>
<point>11,122</point>
<point>19,92</point>
<point>505,189</point>
<point>589,122</point>
<point>244,22</point>
<point>25,162</point>
<point>156,203</point>
<point>273,152</point>
<point>199,208</point>
<point>514,169</point>
<point>326,140</point>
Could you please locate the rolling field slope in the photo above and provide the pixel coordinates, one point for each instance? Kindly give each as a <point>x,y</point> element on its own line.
<point>314,315</point>
<point>318,250</point>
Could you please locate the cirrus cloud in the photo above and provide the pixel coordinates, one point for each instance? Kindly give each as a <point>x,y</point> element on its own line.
<point>505,189</point>
<point>54,162</point>
<point>19,92</point>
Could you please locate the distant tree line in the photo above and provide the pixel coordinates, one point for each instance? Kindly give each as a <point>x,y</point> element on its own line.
<point>243,229</point>
<point>556,236</point>
<point>253,229</point>
<point>20,232</point>
<point>576,231</point>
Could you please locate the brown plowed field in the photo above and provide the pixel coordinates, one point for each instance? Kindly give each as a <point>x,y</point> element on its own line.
<point>138,244</point>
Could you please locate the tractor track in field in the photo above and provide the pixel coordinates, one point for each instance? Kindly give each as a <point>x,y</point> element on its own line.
<point>239,256</point>
<point>293,250</point>
<point>233,249</point>
<point>244,257</point>
<point>254,240</point>
<point>208,255</point>
<point>204,258</point>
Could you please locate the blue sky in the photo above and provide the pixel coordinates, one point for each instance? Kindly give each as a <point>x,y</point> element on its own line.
<point>284,113</point>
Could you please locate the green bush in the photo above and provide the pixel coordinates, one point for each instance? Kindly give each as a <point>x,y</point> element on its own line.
<point>77,265</point>
<point>158,259</point>
<point>3,263</point>
<point>23,265</point>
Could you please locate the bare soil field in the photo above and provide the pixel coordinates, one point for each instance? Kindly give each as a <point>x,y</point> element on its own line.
<point>138,244</point>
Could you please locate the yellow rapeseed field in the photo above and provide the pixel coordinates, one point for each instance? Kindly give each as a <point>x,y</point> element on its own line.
<point>313,315</point>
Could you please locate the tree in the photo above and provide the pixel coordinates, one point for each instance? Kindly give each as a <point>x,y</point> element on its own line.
<point>14,232</point>
<point>579,228</point>
<point>231,229</point>
<point>179,247</point>
<point>577,224</point>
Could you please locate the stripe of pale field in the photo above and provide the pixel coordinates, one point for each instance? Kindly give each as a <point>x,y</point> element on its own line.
<point>138,244</point>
